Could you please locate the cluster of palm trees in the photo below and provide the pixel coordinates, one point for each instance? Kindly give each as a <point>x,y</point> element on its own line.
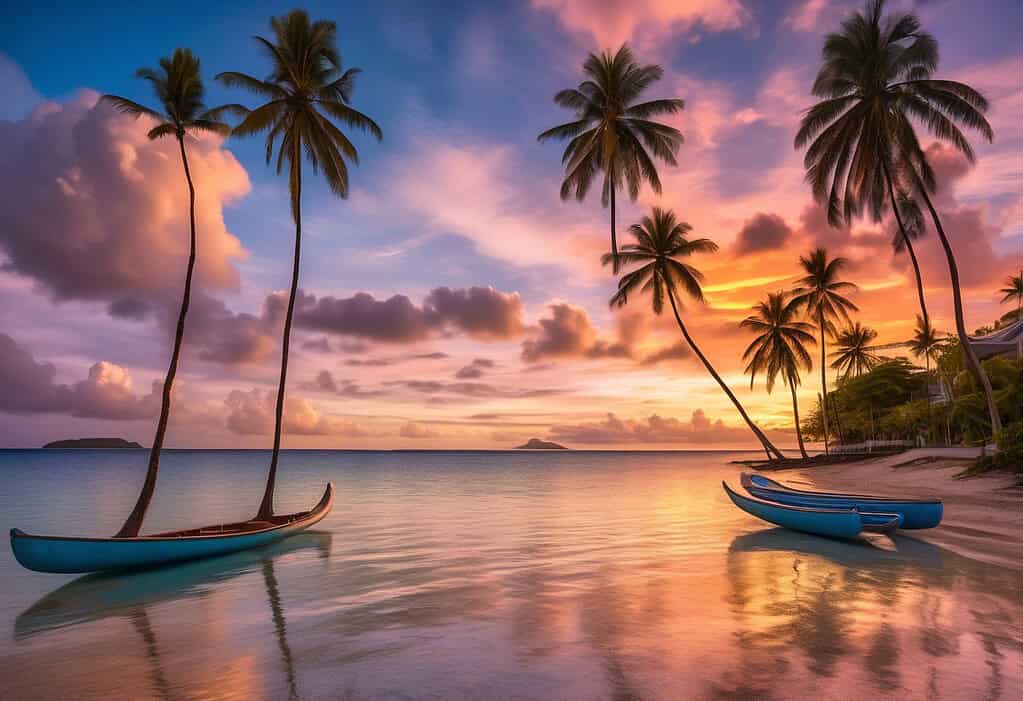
<point>863,156</point>
<point>875,86</point>
<point>306,94</point>
<point>785,323</point>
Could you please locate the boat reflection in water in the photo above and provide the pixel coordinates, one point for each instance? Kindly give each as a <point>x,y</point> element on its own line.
<point>133,596</point>
<point>907,613</point>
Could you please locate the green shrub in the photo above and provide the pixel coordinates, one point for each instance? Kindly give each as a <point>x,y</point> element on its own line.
<point>1009,456</point>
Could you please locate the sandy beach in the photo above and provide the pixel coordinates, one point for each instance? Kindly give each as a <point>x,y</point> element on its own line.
<point>983,515</point>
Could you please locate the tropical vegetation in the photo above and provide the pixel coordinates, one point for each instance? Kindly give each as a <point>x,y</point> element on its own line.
<point>821,294</point>
<point>854,353</point>
<point>875,82</point>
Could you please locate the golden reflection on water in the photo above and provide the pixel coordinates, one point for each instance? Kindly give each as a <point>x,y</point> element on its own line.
<point>585,580</point>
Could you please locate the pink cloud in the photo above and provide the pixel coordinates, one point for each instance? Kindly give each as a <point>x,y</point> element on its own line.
<point>568,333</point>
<point>411,429</point>
<point>610,23</point>
<point>107,393</point>
<point>94,210</point>
<point>807,15</point>
<point>252,413</point>
<point>478,191</point>
<point>653,429</point>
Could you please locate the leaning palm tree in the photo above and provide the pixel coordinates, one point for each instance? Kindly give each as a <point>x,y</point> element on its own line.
<point>305,92</point>
<point>910,227</point>
<point>875,81</point>
<point>820,294</point>
<point>854,354</point>
<point>660,246</point>
<point>613,134</point>
<point>1013,290</point>
<point>179,91</point>
<point>779,348</point>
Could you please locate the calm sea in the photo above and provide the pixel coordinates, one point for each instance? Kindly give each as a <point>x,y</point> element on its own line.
<point>461,575</point>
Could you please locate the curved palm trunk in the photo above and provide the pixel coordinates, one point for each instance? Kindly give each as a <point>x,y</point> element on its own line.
<point>133,524</point>
<point>266,507</point>
<point>769,447</point>
<point>957,299</point>
<point>909,244</point>
<point>795,416</point>
<point>824,380</point>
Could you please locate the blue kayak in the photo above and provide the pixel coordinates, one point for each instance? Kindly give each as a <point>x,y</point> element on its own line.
<point>65,554</point>
<point>830,522</point>
<point>916,513</point>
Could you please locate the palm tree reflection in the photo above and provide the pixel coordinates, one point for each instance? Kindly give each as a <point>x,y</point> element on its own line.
<point>97,597</point>
<point>791,592</point>
<point>140,620</point>
<point>280,625</point>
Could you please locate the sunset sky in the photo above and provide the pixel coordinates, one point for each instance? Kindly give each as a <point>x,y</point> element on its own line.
<point>453,300</point>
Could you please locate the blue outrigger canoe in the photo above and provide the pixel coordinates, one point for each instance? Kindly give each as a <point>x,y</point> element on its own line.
<point>831,522</point>
<point>69,555</point>
<point>916,513</point>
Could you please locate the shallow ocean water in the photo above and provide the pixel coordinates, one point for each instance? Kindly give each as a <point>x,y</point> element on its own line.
<point>482,575</point>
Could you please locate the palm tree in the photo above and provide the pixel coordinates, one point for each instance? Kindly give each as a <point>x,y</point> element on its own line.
<point>1013,290</point>
<point>926,342</point>
<point>305,91</point>
<point>854,354</point>
<point>876,81</point>
<point>779,348</point>
<point>910,227</point>
<point>820,294</point>
<point>660,246</point>
<point>852,162</point>
<point>613,134</point>
<point>179,91</point>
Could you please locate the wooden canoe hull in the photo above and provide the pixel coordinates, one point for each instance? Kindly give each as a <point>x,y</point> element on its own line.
<point>828,522</point>
<point>70,555</point>
<point>916,513</point>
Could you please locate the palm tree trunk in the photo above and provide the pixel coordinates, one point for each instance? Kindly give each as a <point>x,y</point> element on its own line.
<point>133,524</point>
<point>909,244</point>
<point>266,507</point>
<point>614,239</point>
<point>795,416</point>
<point>957,299</point>
<point>769,447</point>
<point>824,381</point>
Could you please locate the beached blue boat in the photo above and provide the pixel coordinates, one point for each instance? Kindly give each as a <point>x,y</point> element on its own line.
<point>60,554</point>
<point>916,513</point>
<point>830,522</point>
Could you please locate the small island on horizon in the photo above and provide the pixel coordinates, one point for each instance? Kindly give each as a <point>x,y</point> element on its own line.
<point>93,443</point>
<point>537,444</point>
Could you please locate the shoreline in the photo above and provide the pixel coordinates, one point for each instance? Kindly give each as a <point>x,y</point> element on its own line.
<point>983,517</point>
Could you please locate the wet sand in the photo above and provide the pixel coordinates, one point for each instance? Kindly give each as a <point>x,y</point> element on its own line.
<point>983,515</point>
